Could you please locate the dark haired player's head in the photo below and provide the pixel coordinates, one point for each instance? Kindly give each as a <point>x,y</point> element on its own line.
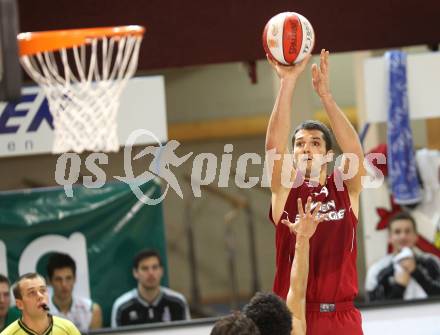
<point>311,142</point>
<point>402,231</point>
<point>319,126</point>
<point>235,324</point>
<point>270,313</point>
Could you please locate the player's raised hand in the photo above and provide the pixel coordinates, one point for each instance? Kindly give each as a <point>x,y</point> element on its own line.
<point>307,221</point>
<point>321,75</point>
<point>289,71</point>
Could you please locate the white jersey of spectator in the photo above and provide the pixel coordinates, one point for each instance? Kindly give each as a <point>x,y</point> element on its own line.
<point>80,312</point>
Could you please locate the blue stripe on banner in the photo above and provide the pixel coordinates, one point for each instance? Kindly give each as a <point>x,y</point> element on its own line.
<point>402,171</point>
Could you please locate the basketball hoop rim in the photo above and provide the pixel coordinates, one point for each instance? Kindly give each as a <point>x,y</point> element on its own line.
<point>31,43</point>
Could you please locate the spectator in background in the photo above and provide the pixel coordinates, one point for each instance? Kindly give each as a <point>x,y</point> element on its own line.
<point>7,314</point>
<point>148,302</point>
<point>407,273</point>
<point>83,312</point>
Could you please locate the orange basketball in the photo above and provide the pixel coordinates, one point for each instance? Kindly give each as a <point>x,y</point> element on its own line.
<point>288,38</point>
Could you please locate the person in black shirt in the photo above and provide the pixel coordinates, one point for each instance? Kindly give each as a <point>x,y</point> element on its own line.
<point>149,302</point>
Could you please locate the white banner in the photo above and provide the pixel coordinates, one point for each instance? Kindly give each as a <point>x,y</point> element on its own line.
<point>26,128</point>
<point>423,87</point>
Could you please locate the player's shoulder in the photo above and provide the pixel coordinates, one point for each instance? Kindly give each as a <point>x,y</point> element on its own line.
<point>13,329</point>
<point>63,326</point>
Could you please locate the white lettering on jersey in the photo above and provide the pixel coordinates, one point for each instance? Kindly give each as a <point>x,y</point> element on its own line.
<point>323,190</point>
<point>329,210</point>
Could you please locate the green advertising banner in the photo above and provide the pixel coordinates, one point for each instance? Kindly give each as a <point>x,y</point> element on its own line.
<point>102,229</point>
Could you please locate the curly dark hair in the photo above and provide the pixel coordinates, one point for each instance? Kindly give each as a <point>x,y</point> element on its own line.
<point>235,324</point>
<point>270,314</point>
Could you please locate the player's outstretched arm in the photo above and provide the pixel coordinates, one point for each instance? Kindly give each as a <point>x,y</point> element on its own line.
<point>304,228</point>
<point>279,127</point>
<point>345,134</point>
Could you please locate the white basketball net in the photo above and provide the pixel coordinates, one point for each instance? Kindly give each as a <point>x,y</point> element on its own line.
<point>83,85</point>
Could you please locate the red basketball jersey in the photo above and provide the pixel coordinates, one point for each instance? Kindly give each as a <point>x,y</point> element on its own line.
<point>333,248</point>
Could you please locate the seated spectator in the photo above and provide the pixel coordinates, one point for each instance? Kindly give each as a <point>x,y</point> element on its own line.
<point>148,302</point>
<point>83,312</point>
<point>235,324</point>
<point>7,314</point>
<point>407,273</point>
